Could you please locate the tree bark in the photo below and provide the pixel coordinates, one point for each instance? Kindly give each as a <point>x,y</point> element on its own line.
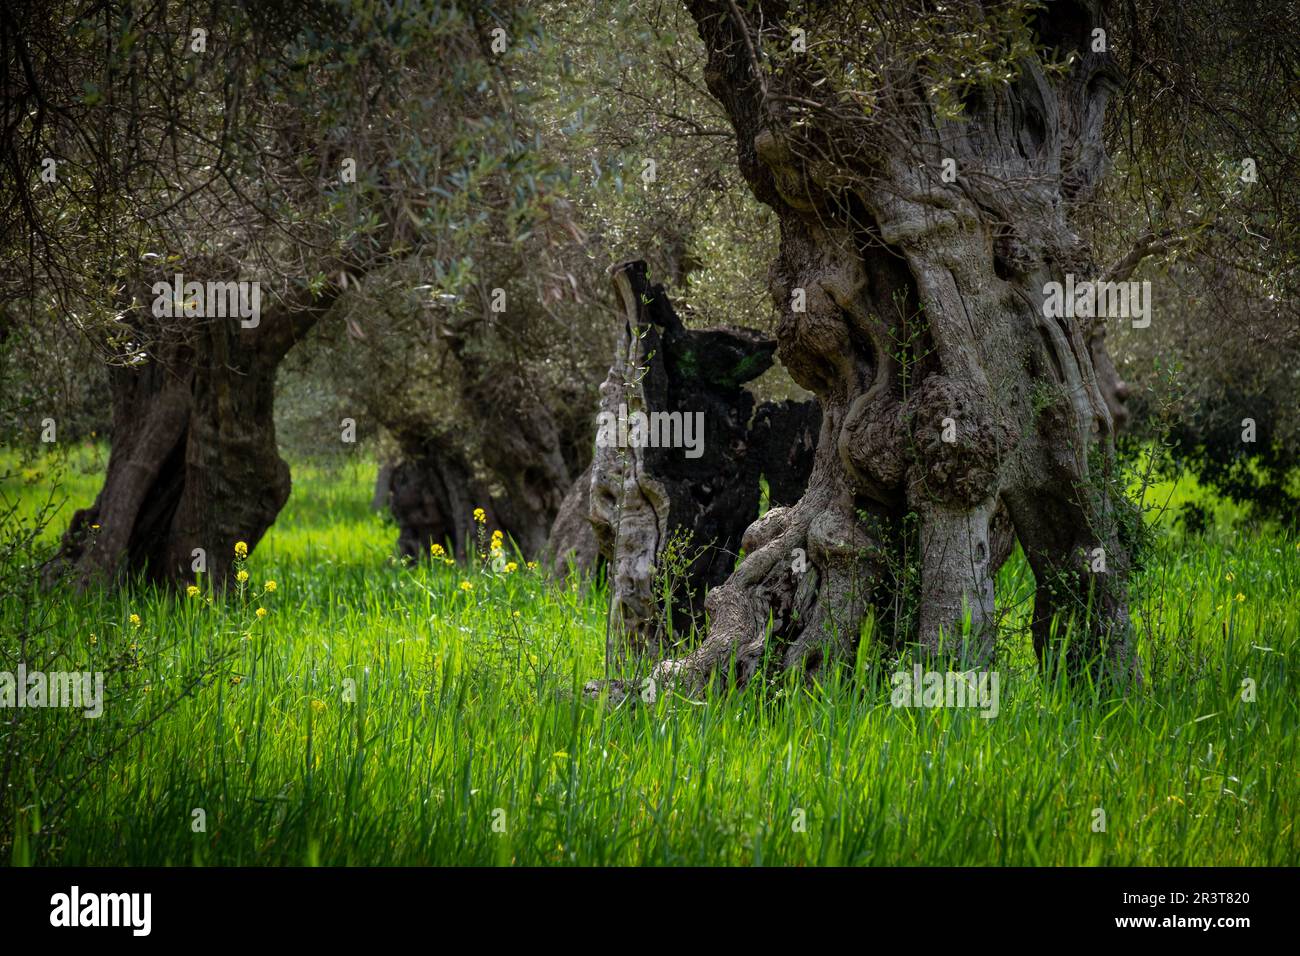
<point>435,488</point>
<point>947,394</point>
<point>383,492</point>
<point>433,494</point>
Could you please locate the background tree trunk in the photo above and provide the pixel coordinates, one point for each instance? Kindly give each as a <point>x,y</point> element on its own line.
<point>572,541</point>
<point>434,487</point>
<point>517,465</point>
<point>432,496</point>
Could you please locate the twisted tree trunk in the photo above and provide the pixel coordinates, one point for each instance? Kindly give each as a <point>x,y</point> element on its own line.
<point>512,463</point>
<point>912,307</point>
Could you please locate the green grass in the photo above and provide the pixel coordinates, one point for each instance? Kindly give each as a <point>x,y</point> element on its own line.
<point>466,716</point>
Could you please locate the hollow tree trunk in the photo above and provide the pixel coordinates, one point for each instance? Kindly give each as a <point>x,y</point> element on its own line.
<point>643,495</point>
<point>194,466</point>
<point>947,395</point>
<point>783,440</point>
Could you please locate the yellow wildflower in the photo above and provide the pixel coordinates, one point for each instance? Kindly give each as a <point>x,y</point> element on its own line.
<point>135,619</point>
<point>1229,576</point>
<point>480,515</point>
<point>270,585</point>
<point>242,576</point>
<point>192,591</point>
<point>448,561</point>
<point>435,549</point>
<point>511,567</point>
<point>261,612</point>
<point>1240,597</point>
<point>241,549</point>
<point>532,565</point>
<point>466,586</point>
<point>318,706</point>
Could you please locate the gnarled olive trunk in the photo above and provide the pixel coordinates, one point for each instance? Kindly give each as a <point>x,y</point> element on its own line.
<point>913,307</point>
<point>194,466</point>
<point>432,494</point>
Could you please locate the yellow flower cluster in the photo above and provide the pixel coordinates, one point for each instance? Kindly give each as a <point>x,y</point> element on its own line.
<point>435,549</point>
<point>480,515</point>
<point>241,549</point>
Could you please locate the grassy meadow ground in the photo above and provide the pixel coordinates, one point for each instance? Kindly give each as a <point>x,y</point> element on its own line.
<point>467,744</point>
